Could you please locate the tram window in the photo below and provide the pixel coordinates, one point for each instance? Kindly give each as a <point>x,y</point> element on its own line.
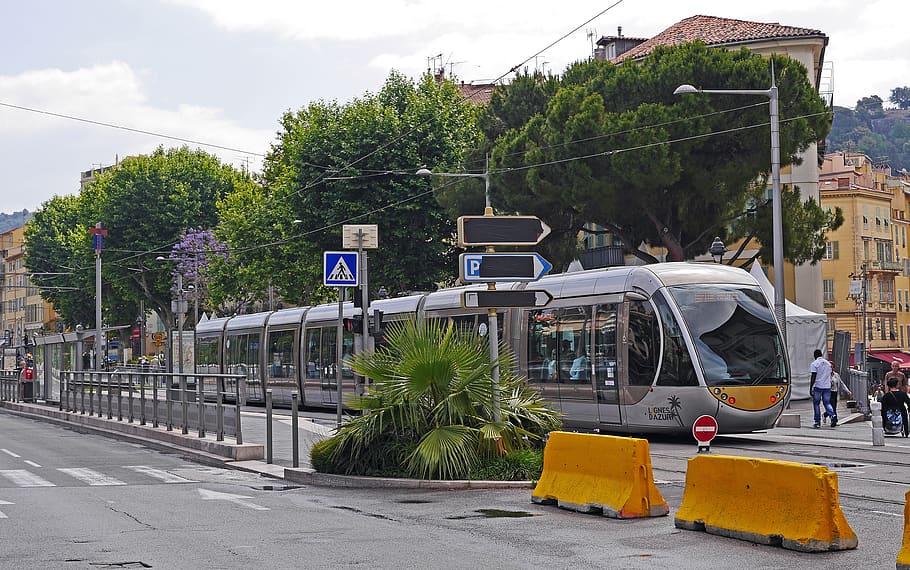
<point>281,351</point>
<point>327,364</point>
<point>312,353</point>
<point>574,360</point>
<point>642,342</point>
<point>676,368</point>
<point>605,346</point>
<point>207,355</point>
<point>464,322</point>
<point>542,345</point>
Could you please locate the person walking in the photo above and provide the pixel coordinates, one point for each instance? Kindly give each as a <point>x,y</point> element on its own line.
<point>894,409</point>
<point>837,388</point>
<point>895,372</point>
<point>820,388</point>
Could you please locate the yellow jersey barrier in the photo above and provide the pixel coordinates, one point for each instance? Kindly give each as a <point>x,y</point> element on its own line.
<point>778,503</point>
<point>903,557</point>
<point>599,473</point>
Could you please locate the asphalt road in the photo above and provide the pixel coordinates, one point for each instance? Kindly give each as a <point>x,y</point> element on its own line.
<point>75,501</point>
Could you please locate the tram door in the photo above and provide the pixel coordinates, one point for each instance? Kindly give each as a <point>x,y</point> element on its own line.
<point>606,369</point>
<point>574,344</point>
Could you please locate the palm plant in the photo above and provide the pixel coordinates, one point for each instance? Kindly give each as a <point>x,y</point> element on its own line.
<point>429,409</point>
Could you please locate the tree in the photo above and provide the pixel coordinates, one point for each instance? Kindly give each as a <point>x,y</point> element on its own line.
<point>340,164</point>
<point>869,108</point>
<point>59,256</point>
<point>430,407</point>
<point>615,147</point>
<point>900,96</point>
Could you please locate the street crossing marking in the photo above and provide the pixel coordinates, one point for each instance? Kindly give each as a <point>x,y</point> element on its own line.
<point>2,514</point>
<point>32,463</point>
<point>159,474</point>
<point>90,476</point>
<point>24,478</point>
<point>341,272</point>
<point>10,453</point>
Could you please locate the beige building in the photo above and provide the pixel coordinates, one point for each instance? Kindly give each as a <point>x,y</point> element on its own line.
<point>867,255</point>
<point>22,310</point>
<point>803,283</point>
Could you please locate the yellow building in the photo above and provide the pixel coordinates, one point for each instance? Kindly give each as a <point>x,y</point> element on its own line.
<point>22,312</point>
<point>866,256</point>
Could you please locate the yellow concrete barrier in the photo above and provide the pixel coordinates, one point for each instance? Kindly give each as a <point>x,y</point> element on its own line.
<point>903,557</point>
<point>779,503</point>
<point>599,473</point>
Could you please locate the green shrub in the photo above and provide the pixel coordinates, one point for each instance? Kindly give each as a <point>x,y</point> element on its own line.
<point>520,465</point>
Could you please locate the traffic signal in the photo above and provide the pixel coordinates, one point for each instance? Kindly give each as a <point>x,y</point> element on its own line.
<point>353,325</point>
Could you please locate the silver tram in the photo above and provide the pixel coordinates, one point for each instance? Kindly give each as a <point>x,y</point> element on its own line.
<point>641,349</point>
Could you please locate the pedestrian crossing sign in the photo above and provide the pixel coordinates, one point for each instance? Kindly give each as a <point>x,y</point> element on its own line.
<point>340,269</point>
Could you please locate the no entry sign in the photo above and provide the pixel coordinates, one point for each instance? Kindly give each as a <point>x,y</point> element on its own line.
<point>704,429</point>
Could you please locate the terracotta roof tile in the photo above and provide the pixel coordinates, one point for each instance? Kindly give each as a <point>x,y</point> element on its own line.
<point>716,31</point>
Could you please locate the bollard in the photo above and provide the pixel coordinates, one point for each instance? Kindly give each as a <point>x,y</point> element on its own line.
<point>878,434</point>
<point>294,434</point>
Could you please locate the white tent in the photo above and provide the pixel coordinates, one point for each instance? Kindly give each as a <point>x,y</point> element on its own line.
<point>806,331</point>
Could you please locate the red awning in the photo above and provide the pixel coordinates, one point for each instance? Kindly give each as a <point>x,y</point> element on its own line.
<point>902,358</point>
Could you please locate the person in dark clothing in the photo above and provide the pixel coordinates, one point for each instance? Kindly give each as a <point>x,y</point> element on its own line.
<point>895,404</point>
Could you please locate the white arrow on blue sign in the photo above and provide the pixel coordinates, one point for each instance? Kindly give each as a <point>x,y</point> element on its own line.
<point>339,269</point>
<point>493,267</point>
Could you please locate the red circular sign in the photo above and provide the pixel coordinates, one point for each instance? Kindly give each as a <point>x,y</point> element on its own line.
<point>704,429</point>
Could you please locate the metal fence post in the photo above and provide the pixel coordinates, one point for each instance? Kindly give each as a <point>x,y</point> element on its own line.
<point>200,393</point>
<point>268,425</point>
<point>141,396</point>
<point>145,376</point>
<point>169,404</point>
<point>219,409</point>
<point>183,402</point>
<point>294,433</point>
<point>239,433</point>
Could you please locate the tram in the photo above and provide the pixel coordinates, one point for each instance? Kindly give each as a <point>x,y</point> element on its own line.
<point>637,349</point>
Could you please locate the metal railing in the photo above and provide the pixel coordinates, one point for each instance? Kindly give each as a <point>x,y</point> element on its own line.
<point>200,398</point>
<point>9,386</point>
<point>861,387</point>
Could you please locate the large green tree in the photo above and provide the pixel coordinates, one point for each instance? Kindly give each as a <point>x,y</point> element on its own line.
<point>354,163</point>
<point>145,203</point>
<point>614,146</point>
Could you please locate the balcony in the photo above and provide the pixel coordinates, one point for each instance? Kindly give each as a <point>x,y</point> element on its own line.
<point>873,265</point>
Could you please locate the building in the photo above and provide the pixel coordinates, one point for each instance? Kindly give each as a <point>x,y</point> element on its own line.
<point>804,283</point>
<point>867,257</point>
<point>23,313</point>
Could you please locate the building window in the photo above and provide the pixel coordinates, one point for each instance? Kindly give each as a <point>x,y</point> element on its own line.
<point>886,291</point>
<point>828,285</point>
<point>832,250</point>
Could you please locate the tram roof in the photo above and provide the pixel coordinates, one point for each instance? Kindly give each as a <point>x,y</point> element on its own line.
<point>251,321</point>
<point>291,316</point>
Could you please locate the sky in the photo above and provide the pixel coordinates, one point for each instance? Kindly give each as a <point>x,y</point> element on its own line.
<point>221,73</point>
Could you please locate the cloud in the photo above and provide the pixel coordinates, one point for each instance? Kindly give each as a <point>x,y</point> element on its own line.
<point>110,93</point>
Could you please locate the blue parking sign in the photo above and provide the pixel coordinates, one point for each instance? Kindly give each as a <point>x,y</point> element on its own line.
<point>339,269</point>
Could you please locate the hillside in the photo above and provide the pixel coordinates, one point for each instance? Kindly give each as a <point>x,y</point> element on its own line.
<point>14,220</point>
<point>882,134</point>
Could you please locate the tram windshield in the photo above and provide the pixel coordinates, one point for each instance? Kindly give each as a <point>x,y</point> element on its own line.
<point>735,335</point>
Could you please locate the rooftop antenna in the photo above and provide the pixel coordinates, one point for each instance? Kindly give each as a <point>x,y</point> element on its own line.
<point>591,33</point>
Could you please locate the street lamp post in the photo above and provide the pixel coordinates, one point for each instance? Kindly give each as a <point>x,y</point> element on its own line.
<point>178,307</point>
<point>493,324</point>
<point>780,309</point>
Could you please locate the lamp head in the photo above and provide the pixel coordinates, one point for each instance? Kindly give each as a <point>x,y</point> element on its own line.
<point>423,172</point>
<point>685,88</point>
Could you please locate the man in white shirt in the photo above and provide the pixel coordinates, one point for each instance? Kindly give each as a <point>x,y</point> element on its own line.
<point>820,388</point>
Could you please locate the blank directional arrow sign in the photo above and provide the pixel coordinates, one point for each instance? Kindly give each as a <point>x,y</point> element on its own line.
<point>2,514</point>
<point>492,267</point>
<point>498,299</point>
<point>236,499</point>
<point>501,230</point>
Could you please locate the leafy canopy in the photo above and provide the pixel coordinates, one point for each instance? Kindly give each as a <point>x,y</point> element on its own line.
<point>612,145</point>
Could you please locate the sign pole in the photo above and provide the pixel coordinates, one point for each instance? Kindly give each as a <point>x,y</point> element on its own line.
<point>339,339</point>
